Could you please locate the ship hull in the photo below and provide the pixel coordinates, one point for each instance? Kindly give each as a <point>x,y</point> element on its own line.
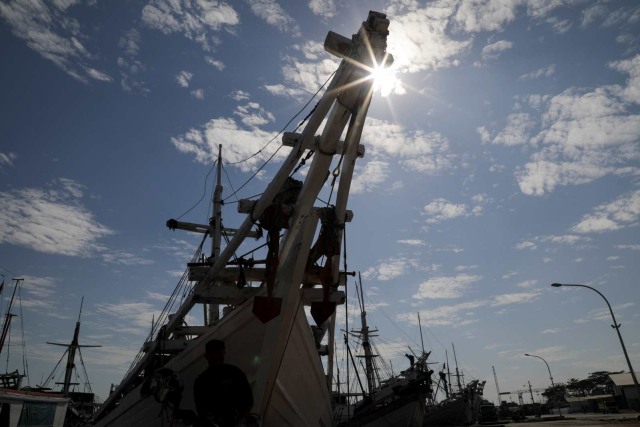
<point>47,407</point>
<point>406,413</point>
<point>300,396</point>
<point>459,411</point>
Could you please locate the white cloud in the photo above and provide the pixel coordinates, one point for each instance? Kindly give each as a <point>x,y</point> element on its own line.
<point>422,152</point>
<point>494,50</point>
<point>198,93</point>
<point>445,287</point>
<point>547,71</point>
<point>50,221</point>
<point>194,20</point>
<point>136,316</point>
<point>253,115</point>
<point>516,132</point>
<point>445,315</point>
<point>369,177</point>
<point>130,66</point>
<point>527,283</point>
<point>273,14</point>
<point>183,78</point>
<point>515,298</point>
<point>412,242</point>
<point>418,37</point>
<point>304,76</point>
<point>324,8</point>
<point>389,269</point>
<point>215,62</point>
<point>239,95</point>
<point>485,136</point>
<point>622,212</point>
<point>39,289</point>
<point>240,143</point>
<point>631,92</point>
<point>54,34</point>
<point>7,159</point>
<point>526,245</point>
<point>585,136</point>
<point>631,247</point>
<point>442,210</point>
<point>485,15</point>
<point>123,257</point>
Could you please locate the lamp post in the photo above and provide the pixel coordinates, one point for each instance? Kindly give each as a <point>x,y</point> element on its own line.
<point>553,386</point>
<point>615,326</point>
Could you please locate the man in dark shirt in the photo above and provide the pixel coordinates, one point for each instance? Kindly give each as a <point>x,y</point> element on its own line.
<point>222,393</point>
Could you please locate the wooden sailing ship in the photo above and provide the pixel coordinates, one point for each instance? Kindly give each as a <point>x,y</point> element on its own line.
<point>258,307</point>
<point>40,405</point>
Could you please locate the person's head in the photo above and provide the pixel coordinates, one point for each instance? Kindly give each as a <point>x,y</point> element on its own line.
<point>214,352</point>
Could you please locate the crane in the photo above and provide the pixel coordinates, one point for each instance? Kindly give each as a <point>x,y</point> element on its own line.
<point>521,392</point>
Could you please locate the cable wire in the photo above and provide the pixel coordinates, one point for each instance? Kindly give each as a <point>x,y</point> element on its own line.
<point>204,193</point>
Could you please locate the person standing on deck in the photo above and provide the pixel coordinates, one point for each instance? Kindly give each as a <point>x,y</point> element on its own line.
<point>222,393</point>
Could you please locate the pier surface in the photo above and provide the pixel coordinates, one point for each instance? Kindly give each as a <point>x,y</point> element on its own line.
<point>622,419</point>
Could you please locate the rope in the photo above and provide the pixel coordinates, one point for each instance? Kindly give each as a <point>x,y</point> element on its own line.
<point>229,180</point>
<point>84,369</point>
<point>288,123</point>
<point>255,173</point>
<point>278,134</point>
<point>25,363</point>
<point>204,193</point>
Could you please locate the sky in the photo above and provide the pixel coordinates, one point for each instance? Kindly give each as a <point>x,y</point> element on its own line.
<point>502,155</point>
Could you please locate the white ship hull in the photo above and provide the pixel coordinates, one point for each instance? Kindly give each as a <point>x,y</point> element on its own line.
<point>14,405</point>
<point>300,397</point>
<point>400,414</point>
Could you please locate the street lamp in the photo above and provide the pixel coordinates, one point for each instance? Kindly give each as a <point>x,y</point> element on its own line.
<point>615,326</point>
<point>545,362</point>
<point>553,386</point>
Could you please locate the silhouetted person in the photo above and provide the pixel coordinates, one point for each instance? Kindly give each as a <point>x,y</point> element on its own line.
<point>222,393</point>
<point>411,359</point>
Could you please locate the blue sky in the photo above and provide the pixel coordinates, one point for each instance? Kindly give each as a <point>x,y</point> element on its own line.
<point>501,156</point>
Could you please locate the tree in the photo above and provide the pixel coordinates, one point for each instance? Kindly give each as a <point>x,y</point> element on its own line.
<point>597,383</point>
<point>555,395</point>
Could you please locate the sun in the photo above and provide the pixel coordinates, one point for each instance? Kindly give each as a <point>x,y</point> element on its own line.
<point>385,80</point>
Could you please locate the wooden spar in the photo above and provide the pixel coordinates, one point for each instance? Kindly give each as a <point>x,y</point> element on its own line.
<point>8,316</point>
<point>355,97</point>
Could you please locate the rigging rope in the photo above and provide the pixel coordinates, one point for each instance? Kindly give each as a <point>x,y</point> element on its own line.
<point>25,364</point>
<point>288,123</point>
<point>204,193</point>
<point>278,134</point>
<point>255,173</point>
<point>84,369</point>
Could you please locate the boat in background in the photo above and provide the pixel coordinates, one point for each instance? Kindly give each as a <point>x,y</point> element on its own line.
<point>257,307</point>
<point>460,409</point>
<point>399,400</point>
<point>40,406</point>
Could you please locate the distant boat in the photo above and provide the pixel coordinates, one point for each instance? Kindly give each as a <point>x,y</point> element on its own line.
<point>40,406</point>
<point>399,400</point>
<point>257,306</point>
<point>460,409</point>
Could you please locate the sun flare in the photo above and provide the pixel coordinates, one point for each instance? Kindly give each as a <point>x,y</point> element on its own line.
<point>386,80</point>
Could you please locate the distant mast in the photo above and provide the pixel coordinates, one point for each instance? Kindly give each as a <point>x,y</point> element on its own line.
<point>7,319</point>
<point>216,239</point>
<point>71,349</point>
<point>366,343</point>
